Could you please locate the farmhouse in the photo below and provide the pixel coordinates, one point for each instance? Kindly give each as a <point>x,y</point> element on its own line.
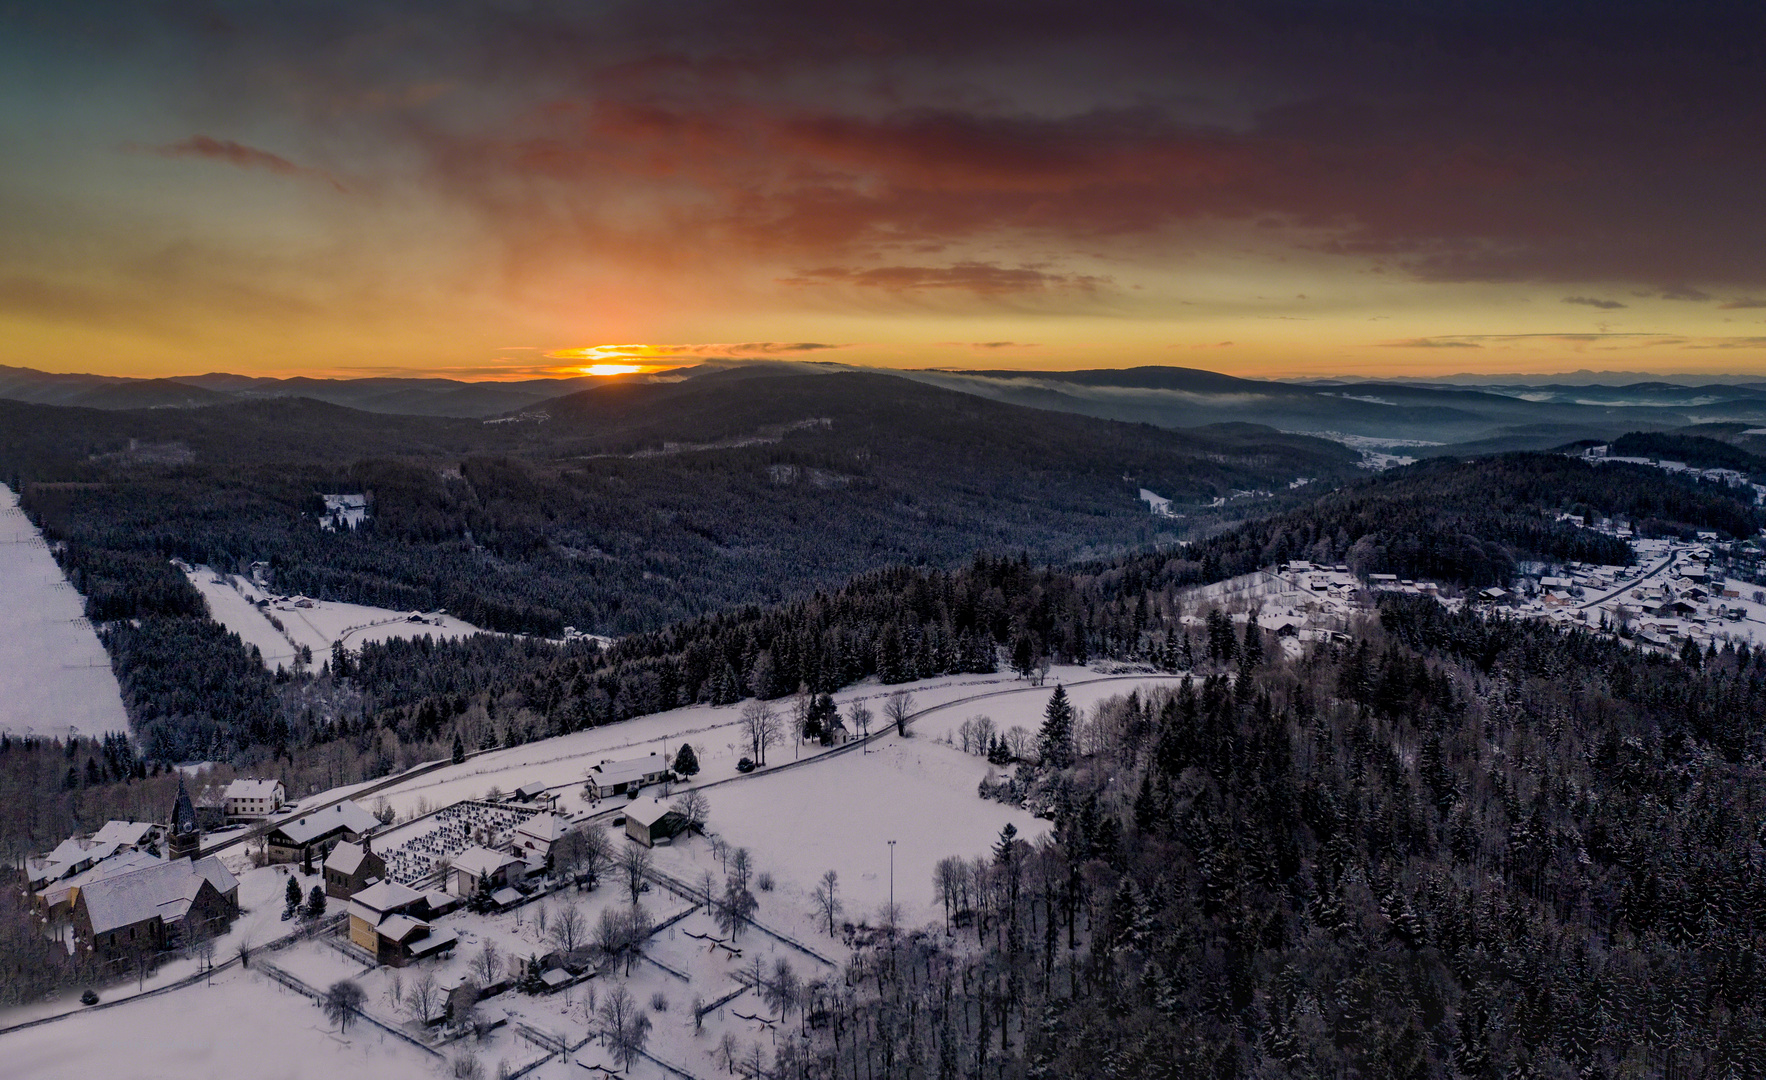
<point>317,833</point>
<point>391,921</point>
<point>649,822</point>
<point>155,906</point>
<point>612,778</point>
<point>251,800</point>
<point>351,867</point>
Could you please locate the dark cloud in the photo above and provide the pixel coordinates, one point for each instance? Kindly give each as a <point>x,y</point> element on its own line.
<point>241,156</point>
<point>1742,303</point>
<point>1456,142</point>
<point>1696,296</point>
<point>1433,343</point>
<point>981,278</point>
<point>1595,302</point>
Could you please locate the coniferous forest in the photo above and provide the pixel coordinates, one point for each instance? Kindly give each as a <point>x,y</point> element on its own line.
<point>1448,845</point>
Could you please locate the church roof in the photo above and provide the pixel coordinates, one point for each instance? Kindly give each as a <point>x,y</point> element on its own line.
<point>166,889</point>
<point>183,811</point>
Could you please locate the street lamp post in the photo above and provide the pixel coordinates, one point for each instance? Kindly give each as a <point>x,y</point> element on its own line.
<point>892,886</point>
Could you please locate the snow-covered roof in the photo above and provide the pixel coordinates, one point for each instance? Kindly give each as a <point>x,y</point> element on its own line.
<point>400,927</point>
<point>376,900</point>
<point>126,833</point>
<point>477,860</point>
<point>218,875</point>
<point>435,942</point>
<point>555,977</point>
<point>346,814</point>
<point>505,897</point>
<point>647,812</point>
<point>74,850</point>
<point>622,772</point>
<point>165,889</point>
<point>346,858</point>
<point>124,862</point>
<point>543,827</point>
<point>253,789</point>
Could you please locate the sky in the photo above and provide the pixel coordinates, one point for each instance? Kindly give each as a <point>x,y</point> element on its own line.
<point>501,189</point>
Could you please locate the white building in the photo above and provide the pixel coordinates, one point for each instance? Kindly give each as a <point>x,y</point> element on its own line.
<point>612,778</point>
<point>246,799</point>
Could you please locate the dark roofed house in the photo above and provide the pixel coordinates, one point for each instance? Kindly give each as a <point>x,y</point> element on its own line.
<point>315,834</point>
<point>352,867</point>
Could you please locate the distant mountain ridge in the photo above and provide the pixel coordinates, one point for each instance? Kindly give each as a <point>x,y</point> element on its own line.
<point>1448,415</point>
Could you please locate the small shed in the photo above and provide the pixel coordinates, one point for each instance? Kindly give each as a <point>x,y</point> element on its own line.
<point>648,821</point>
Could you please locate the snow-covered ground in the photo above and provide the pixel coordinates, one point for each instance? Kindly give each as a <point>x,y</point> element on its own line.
<point>715,732</point>
<point>243,1026</point>
<point>54,675</point>
<point>242,607</point>
<point>834,811</point>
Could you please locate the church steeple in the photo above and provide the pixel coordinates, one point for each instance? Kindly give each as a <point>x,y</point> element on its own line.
<point>186,837</point>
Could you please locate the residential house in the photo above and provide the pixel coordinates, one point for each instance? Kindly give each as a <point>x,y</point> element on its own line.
<point>253,800</point>
<point>392,922</point>
<point>612,778</point>
<point>133,835</point>
<point>315,834</point>
<point>535,837</point>
<point>649,822</point>
<point>352,867</point>
<point>478,862</point>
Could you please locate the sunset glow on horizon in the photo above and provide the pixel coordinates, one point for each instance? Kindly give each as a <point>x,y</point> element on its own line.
<point>375,189</point>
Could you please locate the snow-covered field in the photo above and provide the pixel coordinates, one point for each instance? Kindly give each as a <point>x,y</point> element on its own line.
<point>233,601</point>
<point>715,732</point>
<point>54,675</point>
<point>244,1026</point>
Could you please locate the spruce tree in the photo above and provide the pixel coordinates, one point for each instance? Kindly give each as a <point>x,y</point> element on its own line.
<point>1055,743</point>
<point>686,762</point>
<point>459,749</point>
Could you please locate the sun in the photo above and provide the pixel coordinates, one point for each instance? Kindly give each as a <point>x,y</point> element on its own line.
<point>611,369</point>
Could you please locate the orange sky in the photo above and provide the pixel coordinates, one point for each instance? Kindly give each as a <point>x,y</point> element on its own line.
<point>375,190</point>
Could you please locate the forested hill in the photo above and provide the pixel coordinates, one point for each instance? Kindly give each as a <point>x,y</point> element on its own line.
<point>1698,451</point>
<point>630,507</point>
<point>1462,521</point>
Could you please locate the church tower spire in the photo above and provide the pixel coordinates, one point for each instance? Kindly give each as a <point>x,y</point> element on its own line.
<point>185,838</point>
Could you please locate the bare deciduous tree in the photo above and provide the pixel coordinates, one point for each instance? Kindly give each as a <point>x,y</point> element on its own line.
<point>488,964</point>
<point>826,901</point>
<point>898,708</point>
<point>569,929</point>
<point>761,725</point>
<point>694,808</point>
<point>634,862</point>
<point>421,997</point>
<point>343,1001</point>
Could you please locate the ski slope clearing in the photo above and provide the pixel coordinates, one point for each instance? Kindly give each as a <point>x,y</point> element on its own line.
<point>54,675</point>
<point>247,610</point>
